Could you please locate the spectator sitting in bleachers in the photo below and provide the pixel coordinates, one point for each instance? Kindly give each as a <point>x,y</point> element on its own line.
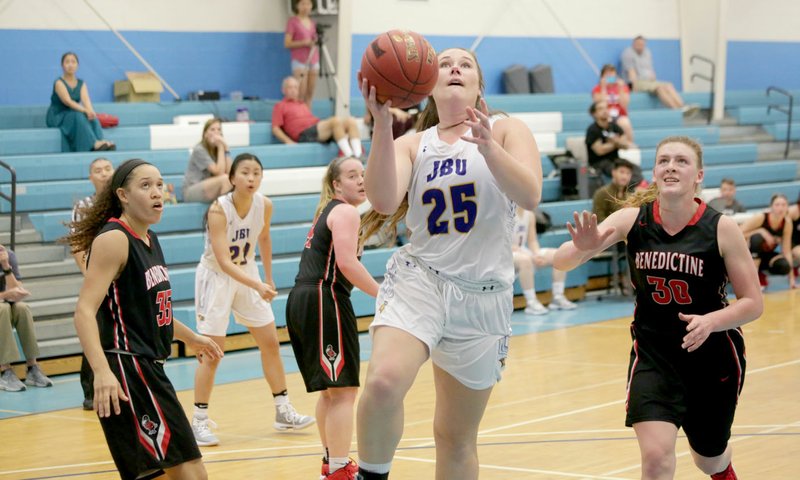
<point>726,203</point>
<point>72,112</point>
<point>16,314</point>
<point>770,237</point>
<point>206,175</point>
<point>638,70</point>
<point>528,256</point>
<point>608,200</point>
<point>617,96</point>
<point>100,172</point>
<point>610,197</point>
<point>604,139</point>
<point>293,122</point>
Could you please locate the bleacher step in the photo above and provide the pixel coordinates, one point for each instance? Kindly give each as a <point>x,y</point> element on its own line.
<point>49,269</point>
<point>28,235</point>
<point>22,221</point>
<point>31,254</point>
<point>58,287</point>
<point>59,346</point>
<point>53,307</point>
<point>743,133</point>
<point>55,328</point>
<point>775,151</point>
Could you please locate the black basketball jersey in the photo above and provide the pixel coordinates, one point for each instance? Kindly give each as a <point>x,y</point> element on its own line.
<point>318,260</point>
<point>675,273</point>
<point>136,315</point>
<point>796,230</point>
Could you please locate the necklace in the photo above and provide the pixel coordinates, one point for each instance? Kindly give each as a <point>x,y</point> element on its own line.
<point>441,128</point>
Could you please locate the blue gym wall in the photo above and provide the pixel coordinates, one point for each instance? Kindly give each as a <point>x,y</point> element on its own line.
<point>571,73</point>
<point>238,44</point>
<point>251,62</point>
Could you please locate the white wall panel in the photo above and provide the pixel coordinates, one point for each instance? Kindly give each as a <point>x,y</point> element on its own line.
<point>520,18</point>
<point>765,20</point>
<point>169,15</point>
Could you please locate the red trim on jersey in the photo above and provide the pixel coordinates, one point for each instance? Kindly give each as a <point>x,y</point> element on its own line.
<point>323,359</point>
<point>328,262</point>
<point>738,363</point>
<point>633,370</point>
<point>339,363</point>
<point>143,439</point>
<point>701,208</point>
<point>126,227</point>
<point>116,313</point>
<point>164,433</point>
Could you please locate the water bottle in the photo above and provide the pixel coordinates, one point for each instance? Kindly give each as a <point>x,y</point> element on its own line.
<point>242,114</point>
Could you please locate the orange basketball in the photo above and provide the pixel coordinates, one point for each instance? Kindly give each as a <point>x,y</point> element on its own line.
<point>402,66</point>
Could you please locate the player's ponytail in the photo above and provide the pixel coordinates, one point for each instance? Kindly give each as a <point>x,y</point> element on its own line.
<point>332,173</point>
<point>373,221</point>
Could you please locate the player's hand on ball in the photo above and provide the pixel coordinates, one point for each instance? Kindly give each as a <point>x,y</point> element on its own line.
<point>381,112</point>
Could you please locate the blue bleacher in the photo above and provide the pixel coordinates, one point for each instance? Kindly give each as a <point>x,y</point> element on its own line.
<point>50,181</point>
<point>778,130</point>
<point>650,137</point>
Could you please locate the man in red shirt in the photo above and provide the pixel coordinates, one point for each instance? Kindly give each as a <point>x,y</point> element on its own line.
<point>293,122</point>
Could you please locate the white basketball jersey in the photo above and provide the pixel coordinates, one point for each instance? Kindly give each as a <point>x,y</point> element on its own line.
<point>242,233</point>
<point>521,223</point>
<point>460,221</point>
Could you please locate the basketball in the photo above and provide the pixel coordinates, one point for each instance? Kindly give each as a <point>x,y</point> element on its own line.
<point>402,67</point>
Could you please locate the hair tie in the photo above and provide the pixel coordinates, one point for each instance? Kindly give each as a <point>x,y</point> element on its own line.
<point>123,171</point>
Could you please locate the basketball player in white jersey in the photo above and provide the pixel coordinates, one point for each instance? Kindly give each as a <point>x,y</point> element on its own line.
<point>227,280</point>
<point>447,294</point>
<point>528,256</point>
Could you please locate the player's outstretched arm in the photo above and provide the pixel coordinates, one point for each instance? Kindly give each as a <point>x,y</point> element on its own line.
<point>589,238</point>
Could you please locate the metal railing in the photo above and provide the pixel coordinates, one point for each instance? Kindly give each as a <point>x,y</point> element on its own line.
<point>709,78</point>
<point>788,112</point>
<point>13,200</point>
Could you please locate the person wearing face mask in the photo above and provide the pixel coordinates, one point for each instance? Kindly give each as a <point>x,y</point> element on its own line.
<point>447,294</point>
<point>613,90</point>
<point>687,363</point>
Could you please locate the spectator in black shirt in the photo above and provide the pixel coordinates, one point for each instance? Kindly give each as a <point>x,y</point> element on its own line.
<point>604,139</point>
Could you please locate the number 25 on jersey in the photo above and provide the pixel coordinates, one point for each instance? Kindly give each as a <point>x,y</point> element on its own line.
<point>462,204</point>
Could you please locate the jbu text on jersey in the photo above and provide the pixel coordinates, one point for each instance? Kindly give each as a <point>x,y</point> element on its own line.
<point>241,234</point>
<point>447,167</point>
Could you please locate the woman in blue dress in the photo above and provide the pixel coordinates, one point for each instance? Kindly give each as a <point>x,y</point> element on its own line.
<point>71,110</point>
